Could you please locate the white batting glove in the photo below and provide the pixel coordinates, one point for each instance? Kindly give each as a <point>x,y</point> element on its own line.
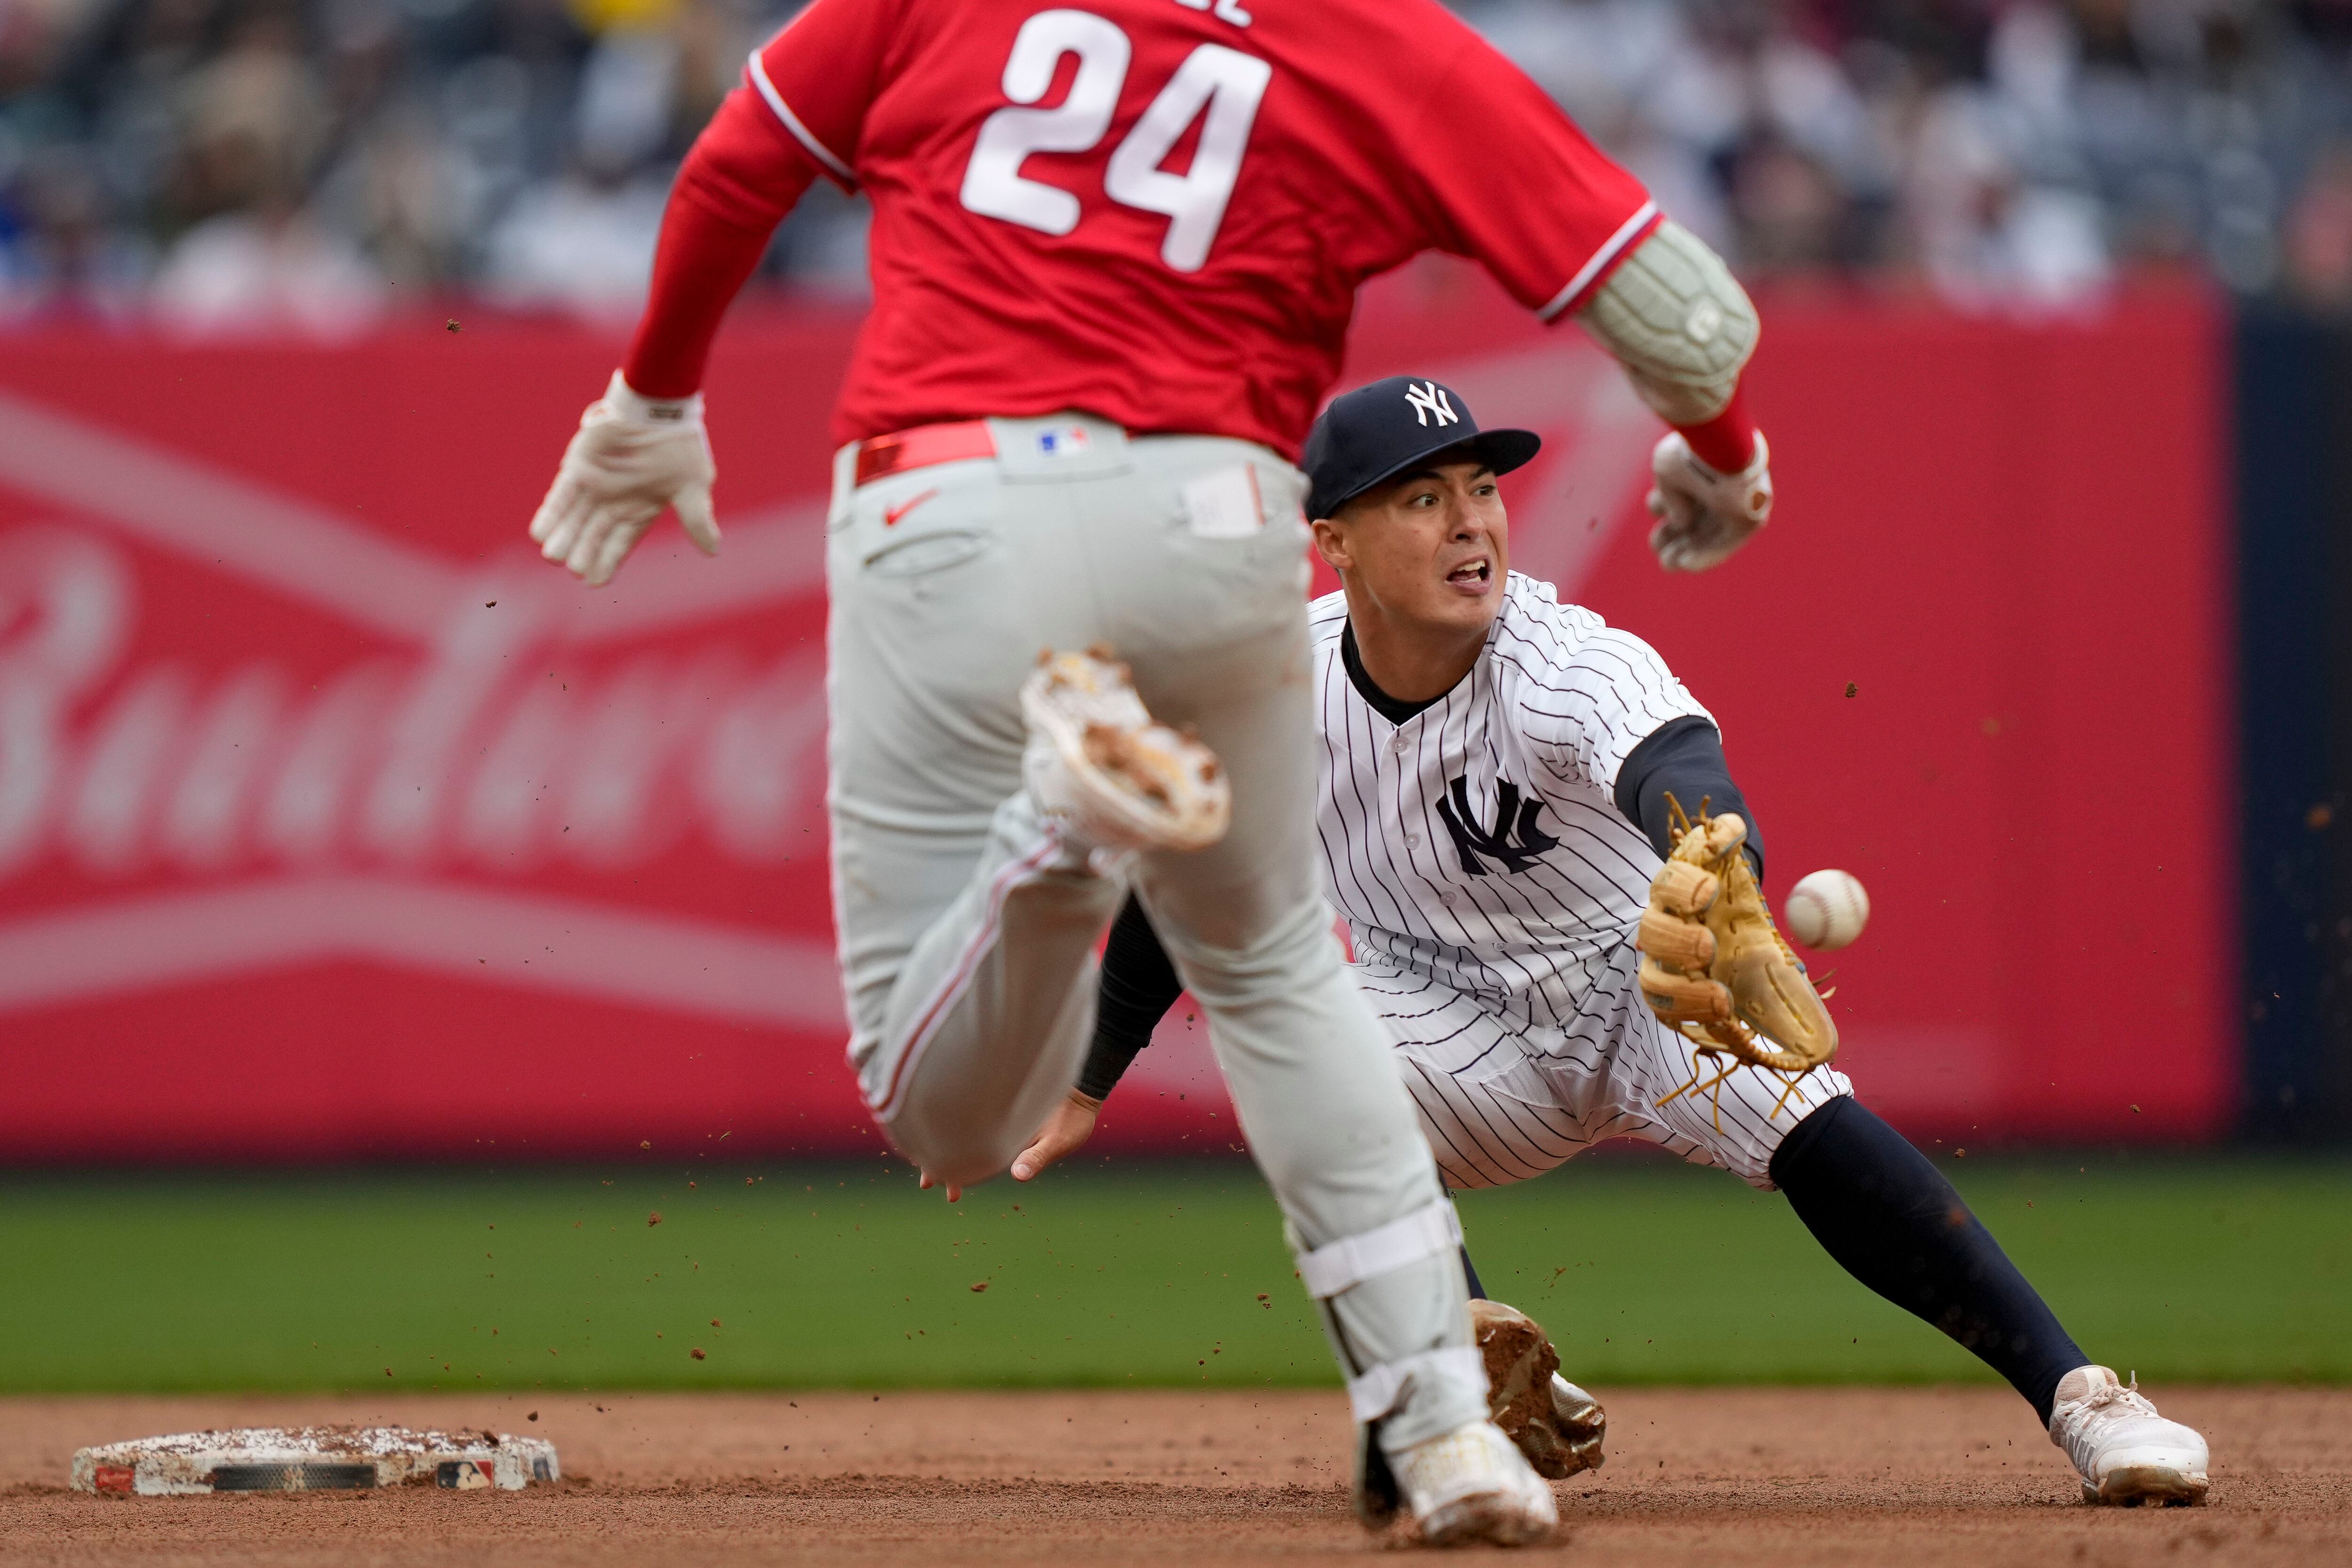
<point>1704,516</point>
<point>631,457</point>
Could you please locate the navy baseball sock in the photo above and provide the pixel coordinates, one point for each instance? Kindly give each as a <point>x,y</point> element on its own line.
<point>1893,1221</point>
<point>1470,1270</point>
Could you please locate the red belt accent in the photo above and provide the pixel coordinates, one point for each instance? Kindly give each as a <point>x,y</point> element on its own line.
<point>881,456</point>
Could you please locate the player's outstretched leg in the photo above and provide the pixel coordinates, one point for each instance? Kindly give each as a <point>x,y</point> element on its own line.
<point>1885,1212</point>
<point>1889,1216</point>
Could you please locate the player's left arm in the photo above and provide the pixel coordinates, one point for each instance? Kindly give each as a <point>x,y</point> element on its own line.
<point>1600,711</point>
<point>1682,760</point>
<point>1575,235</point>
<point>642,446</point>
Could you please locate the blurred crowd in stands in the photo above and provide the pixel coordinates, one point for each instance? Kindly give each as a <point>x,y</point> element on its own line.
<point>230,166</point>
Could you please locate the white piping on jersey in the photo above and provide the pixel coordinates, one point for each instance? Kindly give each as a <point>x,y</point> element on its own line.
<point>817,150</point>
<point>1600,258</point>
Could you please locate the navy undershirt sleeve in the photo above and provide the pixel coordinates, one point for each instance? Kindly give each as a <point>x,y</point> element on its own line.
<point>1139,985</point>
<point>1684,758</point>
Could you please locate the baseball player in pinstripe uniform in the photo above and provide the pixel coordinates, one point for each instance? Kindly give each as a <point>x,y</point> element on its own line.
<point>1497,772</point>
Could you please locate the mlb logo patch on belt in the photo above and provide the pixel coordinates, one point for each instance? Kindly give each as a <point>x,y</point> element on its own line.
<point>1062,441</point>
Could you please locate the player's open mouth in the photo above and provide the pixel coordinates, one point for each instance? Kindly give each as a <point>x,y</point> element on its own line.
<point>1472,573</point>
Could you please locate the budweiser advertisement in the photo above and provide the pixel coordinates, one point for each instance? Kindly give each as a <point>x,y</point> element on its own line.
<point>334,825</point>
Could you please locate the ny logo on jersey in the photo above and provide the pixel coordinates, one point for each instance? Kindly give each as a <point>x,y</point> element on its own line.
<point>1512,816</point>
<point>1431,399</point>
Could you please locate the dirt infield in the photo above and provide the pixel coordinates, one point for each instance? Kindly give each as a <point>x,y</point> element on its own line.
<point>1698,1476</point>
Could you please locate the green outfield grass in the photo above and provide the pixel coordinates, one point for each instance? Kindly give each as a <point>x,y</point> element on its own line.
<point>1645,1271</point>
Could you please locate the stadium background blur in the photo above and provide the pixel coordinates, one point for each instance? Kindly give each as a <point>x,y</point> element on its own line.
<point>296,301</point>
<point>229,165</point>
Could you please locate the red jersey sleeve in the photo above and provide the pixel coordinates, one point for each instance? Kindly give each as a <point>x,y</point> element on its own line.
<point>821,72</point>
<point>1518,187</point>
<point>741,176</point>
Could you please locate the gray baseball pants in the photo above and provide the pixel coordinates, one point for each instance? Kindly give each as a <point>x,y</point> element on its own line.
<point>967,929</point>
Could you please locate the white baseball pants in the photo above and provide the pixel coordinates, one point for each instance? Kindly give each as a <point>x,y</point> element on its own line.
<point>1501,1100</point>
<point>967,931</point>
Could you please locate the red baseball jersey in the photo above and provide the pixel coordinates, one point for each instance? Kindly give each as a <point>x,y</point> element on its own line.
<point>1158,211</point>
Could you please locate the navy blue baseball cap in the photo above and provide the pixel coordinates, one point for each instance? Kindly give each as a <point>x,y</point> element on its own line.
<point>1377,432</point>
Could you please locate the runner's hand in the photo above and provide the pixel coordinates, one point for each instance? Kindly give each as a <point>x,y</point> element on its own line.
<point>927,1181</point>
<point>631,458</point>
<point>1704,516</point>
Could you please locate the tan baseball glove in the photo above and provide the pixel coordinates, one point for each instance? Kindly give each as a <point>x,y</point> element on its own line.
<point>1714,966</point>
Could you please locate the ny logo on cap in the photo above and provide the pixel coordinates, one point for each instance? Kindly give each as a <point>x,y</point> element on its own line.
<point>1431,399</point>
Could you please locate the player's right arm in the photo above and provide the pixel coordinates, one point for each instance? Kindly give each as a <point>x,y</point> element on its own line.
<point>1139,985</point>
<point>642,446</point>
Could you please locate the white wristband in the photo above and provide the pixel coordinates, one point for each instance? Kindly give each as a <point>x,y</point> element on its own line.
<point>631,405</point>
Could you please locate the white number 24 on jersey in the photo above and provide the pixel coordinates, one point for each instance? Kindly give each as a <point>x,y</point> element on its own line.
<point>1224,82</point>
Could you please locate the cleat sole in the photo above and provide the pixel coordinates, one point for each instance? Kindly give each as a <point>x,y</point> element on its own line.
<point>2132,1486</point>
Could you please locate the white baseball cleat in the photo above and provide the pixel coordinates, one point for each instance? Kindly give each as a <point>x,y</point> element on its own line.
<point>2126,1451</point>
<point>1471,1484</point>
<point>1116,778</point>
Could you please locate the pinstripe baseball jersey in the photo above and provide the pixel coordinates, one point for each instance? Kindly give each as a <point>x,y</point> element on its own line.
<point>1479,843</point>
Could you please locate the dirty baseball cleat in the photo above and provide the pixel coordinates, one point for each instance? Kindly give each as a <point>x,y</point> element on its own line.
<point>1470,1484</point>
<point>1581,1422</point>
<point>1555,1424</point>
<point>2127,1452</point>
<point>1116,778</point>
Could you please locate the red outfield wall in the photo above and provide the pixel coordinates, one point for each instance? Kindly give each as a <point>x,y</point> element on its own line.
<point>332,825</point>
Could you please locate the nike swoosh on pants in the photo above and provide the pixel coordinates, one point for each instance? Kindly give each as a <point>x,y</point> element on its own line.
<point>890,515</point>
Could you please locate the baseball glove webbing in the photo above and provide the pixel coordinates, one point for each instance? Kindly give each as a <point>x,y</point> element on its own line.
<point>1715,968</point>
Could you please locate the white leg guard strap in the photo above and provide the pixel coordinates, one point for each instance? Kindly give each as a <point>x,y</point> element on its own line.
<point>1352,1259</point>
<point>1376,1392</point>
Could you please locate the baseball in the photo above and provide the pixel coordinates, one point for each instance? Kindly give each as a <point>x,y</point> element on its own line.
<point>1827,910</point>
